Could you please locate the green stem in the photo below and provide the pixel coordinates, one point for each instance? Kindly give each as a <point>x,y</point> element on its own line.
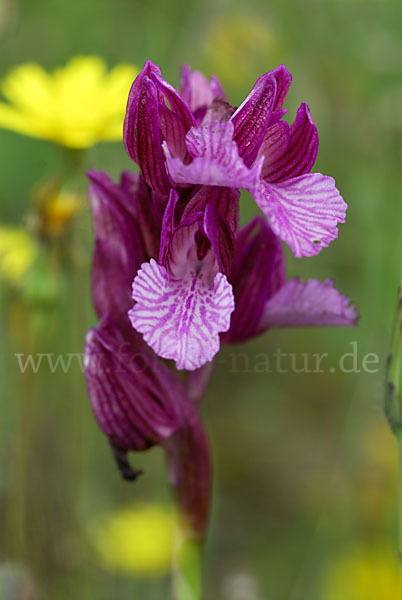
<point>187,567</point>
<point>399,507</point>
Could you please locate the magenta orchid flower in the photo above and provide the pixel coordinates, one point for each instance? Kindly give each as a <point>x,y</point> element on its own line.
<point>173,276</point>
<point>249,148</point>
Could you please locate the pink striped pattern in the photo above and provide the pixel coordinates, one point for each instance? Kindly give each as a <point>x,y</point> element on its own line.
<point>216,159</point>
<point>181,319</point>
<point>304,212</point>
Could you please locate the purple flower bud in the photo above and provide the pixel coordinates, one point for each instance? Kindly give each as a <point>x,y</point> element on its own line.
<point>139,402</point>
<point>129,387</point>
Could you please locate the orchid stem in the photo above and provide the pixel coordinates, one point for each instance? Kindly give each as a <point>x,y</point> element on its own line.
<point>187,567</point>
<point>399,507</point>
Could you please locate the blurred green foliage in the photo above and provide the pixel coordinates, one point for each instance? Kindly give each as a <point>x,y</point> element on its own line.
<point>304,465</point>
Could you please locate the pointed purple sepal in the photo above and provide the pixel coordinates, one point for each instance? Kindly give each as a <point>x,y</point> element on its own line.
<point>296,157</point>
<point>142,135</point>
<point>252,118</point>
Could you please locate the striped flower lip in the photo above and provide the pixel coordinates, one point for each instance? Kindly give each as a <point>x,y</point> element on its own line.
<point>181,318</point>
<point>183,302</point>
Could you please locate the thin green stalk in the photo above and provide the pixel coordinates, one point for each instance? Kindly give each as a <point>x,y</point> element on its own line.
<point>399,507</point>
<point>187,567</point>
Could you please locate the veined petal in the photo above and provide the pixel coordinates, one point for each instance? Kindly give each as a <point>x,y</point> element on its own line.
<point>299,155</point>
<point>146,207</point>
<point>225,200</point>
<point>130,390</point>
<point>176,103</point>
<point>197,92</point>
<point>147,71</point>
<point>283,80</point>
<point>252,118</point>
<point>304,212</point>
<point>258,272</point>
<point>119,248</point>
<point>216,159</point>
<point>174,132</point>
<point>221,237</point>
<point>181,319</point>
<point>274,146</point>
<point>195,89</point>
<point>314,303</point>
<point>142,136</point>
<point>168,226</point>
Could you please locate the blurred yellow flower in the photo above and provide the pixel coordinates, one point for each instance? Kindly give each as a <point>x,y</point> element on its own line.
<point>137,539</point>
<point>365,574</point>
<point>55,208</point>
<point>75,106</point>
<point>18,251</point>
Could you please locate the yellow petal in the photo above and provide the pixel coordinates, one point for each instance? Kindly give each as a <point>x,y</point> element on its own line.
<point>18,251</point>
<point>75,106</point>
<point>29,88</point>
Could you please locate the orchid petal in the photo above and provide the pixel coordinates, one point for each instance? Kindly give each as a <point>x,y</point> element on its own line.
<point>216,159</point>
<point>176,103</point>
<point>174,132</point>
<point>303,212</point>
<point>300,154</point>
<point>195,89</point>
<point>251,120</point>
<point>168,225</point>
<point>181,319</point>
<point>221,237</point>
<point>283,80</point>
<point>314,303</point>
<point>142,136</point>
<point>129,389</point>
<point>147,71</point>
<point>224,200</point>
<point>258,272</point>
<point>119,248</point>
<point>274,146</point>
<point>197,92</point>
<point>146,209</point>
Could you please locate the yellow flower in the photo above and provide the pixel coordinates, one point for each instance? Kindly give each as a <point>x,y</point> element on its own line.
<point>75,106</point>
<point>18,251</point>
<point>55,208</point>
<point>135,540</point>
<point>365,574</point>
